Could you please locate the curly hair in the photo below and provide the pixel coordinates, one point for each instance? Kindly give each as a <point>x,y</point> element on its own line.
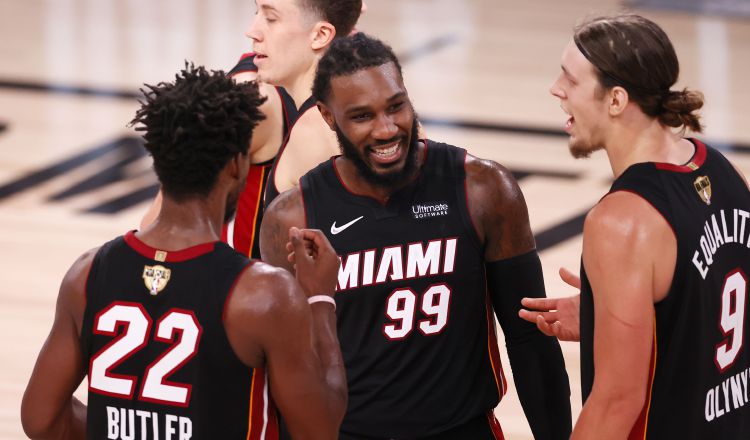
<point>633,52</point>
<point>342,14</point>
<point>194,126</point>
<point>347,56</point>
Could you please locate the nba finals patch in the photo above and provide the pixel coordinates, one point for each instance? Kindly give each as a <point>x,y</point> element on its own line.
<point>428,210</point>
<point>156,278</point>
<point>703,186</point>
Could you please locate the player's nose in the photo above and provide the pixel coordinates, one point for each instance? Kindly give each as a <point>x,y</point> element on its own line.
<point>385,127</point>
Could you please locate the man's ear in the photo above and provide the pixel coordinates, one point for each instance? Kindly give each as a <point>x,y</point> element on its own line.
<point>234,166</point>
<point>323,35</point>
<point>327,115</point>
<point>618,100</point>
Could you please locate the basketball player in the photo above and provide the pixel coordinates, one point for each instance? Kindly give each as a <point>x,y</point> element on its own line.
<point>289,37</point>
<point>174,329</point>
<point>666,252</point>
<point>418,224</point>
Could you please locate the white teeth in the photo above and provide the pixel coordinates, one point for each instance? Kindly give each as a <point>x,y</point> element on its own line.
<point>385,152</point>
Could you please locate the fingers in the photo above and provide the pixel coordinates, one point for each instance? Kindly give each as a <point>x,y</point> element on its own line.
<point>317,238</point>
<point>570,278</point>
<point>545,304</point>
<point>531,316</point>
<point>545,327</point>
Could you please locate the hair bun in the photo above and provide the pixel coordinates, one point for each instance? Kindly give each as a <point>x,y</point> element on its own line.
<point>678,108</point>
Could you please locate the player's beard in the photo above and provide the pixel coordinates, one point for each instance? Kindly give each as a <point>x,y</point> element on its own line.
<point>583,150</point>
<point>392,179</point>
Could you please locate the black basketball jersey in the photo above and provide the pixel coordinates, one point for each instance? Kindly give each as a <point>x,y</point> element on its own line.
<point>698,384</point>
<point>160,365</point>
<point>414,320</point>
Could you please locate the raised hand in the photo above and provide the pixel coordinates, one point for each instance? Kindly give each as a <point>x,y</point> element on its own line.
<point>557,317</point>
<point>315,262</point>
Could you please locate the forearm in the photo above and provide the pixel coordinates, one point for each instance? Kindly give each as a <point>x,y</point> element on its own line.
<point>542,385</point>
<point>329,353</point>
<point>536,360</point>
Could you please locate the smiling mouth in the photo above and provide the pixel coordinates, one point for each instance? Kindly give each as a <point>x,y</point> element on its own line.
<point>388,153</point>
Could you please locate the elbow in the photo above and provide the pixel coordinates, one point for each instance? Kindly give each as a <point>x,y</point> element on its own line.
<point>338,402</point>
<point>34,426</point>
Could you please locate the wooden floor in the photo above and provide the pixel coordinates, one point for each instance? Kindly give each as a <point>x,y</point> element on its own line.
<point>478,72</point>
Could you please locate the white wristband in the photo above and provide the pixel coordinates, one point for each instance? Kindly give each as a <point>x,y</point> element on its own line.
<point>322,298</point>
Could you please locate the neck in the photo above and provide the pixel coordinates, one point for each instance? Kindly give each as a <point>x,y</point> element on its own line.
<point>645,140</point>
<point>185,224</point>
<point>300,88</point>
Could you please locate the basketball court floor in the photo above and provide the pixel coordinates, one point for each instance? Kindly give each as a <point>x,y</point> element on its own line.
<point>73,175</point>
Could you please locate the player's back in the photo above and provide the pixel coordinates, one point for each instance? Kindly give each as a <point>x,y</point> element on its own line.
<point>699,380</point>
<point>159,361</point>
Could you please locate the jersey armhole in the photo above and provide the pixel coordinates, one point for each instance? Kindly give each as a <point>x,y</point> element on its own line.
<point>249,264</point>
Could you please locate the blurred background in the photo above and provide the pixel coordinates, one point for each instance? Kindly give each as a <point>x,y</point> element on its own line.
<point>73,175</point>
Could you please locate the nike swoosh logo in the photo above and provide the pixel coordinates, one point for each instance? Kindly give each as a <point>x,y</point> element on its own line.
<point>335,230</point>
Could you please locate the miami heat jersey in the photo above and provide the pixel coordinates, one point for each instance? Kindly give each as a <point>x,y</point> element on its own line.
<point>160,365</point>
<point>698,383</point>
<point>414,320</point>
<point>243,231</point>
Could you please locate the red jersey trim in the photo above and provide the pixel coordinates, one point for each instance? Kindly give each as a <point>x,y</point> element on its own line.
<point>695,162</point>
<point>244,231</point>
<point>169,256</point>
<point>497,431</point>
<point>262,423</point>
<point>640,429</point>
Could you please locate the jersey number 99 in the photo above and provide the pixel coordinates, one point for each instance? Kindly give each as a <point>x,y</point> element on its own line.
<point>401,308</point>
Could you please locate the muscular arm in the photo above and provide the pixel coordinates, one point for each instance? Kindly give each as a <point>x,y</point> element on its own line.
<point>623,239</point>
<point>269,322</point>
<point>49,410</point>
<point>499,213</point>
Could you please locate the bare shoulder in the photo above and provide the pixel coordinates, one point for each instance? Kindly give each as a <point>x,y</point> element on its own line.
<point>287,207</point>
<point>498,209</point>
<point>312,138</point>
<point>72,296</point>
<point>264,291</point>
<point>285,211</point>
<point>624,224</point>
<point>623,214</point>
<point>490,181</point>
<point>264,302</point>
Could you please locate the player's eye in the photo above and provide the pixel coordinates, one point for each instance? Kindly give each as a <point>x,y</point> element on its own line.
<point>396,107</point>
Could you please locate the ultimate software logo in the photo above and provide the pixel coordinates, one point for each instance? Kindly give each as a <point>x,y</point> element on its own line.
<point>428,210</point>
